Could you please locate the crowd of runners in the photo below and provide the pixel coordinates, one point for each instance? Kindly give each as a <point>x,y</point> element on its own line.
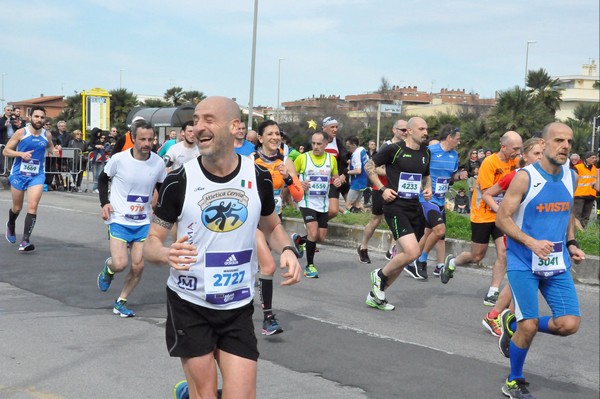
<point>210,209</point>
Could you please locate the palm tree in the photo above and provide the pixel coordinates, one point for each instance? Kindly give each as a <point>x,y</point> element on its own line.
<point>517,110</point>
<point>155,103</point>
<point>581,135</point>
<point>72,112</point>
<point>193,96</point>
<point>174,95</point>
<point>546,89</point>
<point>586,112</point>
<point>121,102</point>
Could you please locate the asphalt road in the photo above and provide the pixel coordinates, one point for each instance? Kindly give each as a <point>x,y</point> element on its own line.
<point>59,338</point>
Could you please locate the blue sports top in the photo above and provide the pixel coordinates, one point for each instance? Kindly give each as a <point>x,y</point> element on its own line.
<point>442,165</point>
<point>35,165</point>
<point>543,214</point>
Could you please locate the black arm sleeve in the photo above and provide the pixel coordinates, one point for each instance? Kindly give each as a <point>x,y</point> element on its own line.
<point>265,190</point>
<point>171,196</point>
<point>103,188</point>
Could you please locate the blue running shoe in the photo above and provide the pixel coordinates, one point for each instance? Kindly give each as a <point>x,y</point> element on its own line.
<point>122,310</point>
<point>26,246</point>
<point>297,240</point>
<point>271,326</point>
<point>181,390</point>
<point>10,234</point>
<point>105,277</point>
<point>311,271</point>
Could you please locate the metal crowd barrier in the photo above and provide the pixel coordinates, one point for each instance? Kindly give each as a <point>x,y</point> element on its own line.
<point>64,168</point>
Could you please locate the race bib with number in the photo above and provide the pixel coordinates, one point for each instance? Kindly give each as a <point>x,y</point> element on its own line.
<point>136,207</point>
<point>30,168</point>
<point>278,201</point>
<point>227,276</point>
<point>441,186</point>
<point>409,185</point>
<point>319,185</point>
<point>555,264</point>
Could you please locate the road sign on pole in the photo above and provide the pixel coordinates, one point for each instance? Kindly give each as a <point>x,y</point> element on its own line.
<point>390,109</point>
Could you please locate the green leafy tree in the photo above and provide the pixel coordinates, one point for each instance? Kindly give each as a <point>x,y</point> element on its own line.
<point>193,96</point>
<point>155,103</point>
<point>121,102</point>
<point>544,88</point>
<point>175,96</point>
<point>586,112</point>
<point>72,112</point>
<point>517,110</point>
<point>581,135</point>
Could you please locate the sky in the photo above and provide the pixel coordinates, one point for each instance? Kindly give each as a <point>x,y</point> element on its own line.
<point>334,47</point>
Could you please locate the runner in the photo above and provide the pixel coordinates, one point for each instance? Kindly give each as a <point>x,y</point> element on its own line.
<point>444,171</point>
<point>185,150</point>
<point>335,147</point>
<point>399,130</point>
<point>492,169</point>
<point>316,169</point>
<point>537,216</point>
<point>407,171</point>
<point>134,173</point>
<point>532,152</point>
<point>28,146</point>
<point>212,264</point>
<point>269,156</point>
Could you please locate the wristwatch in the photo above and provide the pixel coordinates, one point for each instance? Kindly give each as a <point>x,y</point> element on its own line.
<point>291,248</point>
<point>382,189</point>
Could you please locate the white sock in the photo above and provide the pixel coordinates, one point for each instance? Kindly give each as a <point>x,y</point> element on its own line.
<point>451,264</point>
<point>492,291</point>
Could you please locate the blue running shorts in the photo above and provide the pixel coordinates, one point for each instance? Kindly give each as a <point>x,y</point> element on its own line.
<point>558,291</point>
<point>22,183</point>
<point>128,233</point>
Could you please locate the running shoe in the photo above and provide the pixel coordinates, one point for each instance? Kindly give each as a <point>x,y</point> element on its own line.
<point>446,274</point>
<point>271,326</point>
<point>373,302</point>
<point>26,246</point>
<point>10,234</point>
<point>490,300</point>
<point>311,271</point>
<point>438,269</point>
<point>421,269</point>
<point>492,325</point>
<point>411,269</point>
<point>297,240</point>
<point>105,277</point>
<point>122,310</point>
<point>363,255</point>
<point>516,389</point>
<point>181,390</point>
<point>376,288</point>
<point>505,332</point>
<point>388,255</point>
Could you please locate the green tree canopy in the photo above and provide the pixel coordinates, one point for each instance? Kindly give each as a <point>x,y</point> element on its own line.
<point>174,96</point>
<point>587,112</point>
<point>545,89</point>
<point>121,102</point>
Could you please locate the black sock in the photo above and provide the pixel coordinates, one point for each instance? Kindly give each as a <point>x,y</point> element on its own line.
<point>311,246</point>
<point>29,225</point>
<point>12,219</point>
<point>265,287</point>
<point>383,279</point>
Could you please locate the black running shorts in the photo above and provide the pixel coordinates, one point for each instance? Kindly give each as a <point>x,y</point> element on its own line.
<point>481,232</point>
<point>194,331</point>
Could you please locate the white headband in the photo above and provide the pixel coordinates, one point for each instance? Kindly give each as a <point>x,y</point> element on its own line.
<point>329,121</point>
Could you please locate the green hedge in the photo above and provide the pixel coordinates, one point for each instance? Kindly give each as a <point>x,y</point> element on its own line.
<point>459,227</point>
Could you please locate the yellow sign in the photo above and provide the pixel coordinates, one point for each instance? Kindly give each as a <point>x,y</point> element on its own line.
<point>95,105</point>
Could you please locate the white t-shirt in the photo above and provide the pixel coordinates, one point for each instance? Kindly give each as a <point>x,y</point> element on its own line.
<point>180,154</point>
<point>133,183</point>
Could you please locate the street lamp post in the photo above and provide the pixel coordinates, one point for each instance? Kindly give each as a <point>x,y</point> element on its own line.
<point>253,62</point>
<point>527,59</point>
<point>3,75</point>
<point>278,86</point>
<point>121,78</point>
